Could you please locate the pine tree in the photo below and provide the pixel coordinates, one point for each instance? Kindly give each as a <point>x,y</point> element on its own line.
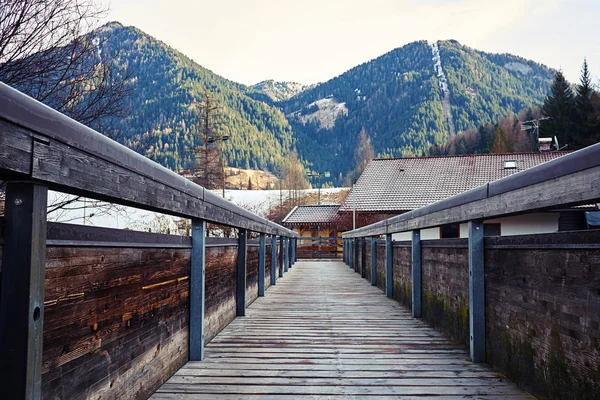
<point>587,127</point>
<point>560,107</point>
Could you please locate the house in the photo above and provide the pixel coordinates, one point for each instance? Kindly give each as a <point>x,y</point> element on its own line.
<point>389,187</point>
<point>316,226</point>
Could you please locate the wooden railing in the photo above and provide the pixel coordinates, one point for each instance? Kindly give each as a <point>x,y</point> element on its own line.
<point>570,180</point>
<point>41,149</point>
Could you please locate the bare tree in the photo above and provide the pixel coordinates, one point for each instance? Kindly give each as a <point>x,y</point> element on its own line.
<point>50,51</point>
<point>207,168</point>
<point>294,177</point>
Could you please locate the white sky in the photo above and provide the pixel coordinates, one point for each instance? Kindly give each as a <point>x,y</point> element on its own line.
<point>312,41</point>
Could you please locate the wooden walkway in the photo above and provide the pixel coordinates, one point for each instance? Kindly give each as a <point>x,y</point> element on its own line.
<point>324,333</point>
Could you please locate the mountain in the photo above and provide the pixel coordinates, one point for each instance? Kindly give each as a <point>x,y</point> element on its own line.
<point>164,85</point>
<point>413,96</point>
<point>279,91</point>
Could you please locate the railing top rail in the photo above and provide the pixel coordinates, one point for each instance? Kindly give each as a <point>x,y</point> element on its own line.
<point>573,179</point>
<point>41,144</point>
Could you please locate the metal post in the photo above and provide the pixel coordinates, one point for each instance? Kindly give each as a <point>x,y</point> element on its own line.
<point>389,266</point>
<point>374,261</point>
<point>273,260</point>
<point>363,258</point>
<point>353,206</point>
<point>281,256</point>
<point>351,253</point>
<point>261,265</point>
<point>197,290</point>
<point>286,258</point>
<point>476,291</point>
<point>240,298</point>
<point>22,291</point>
<point>416,274</point>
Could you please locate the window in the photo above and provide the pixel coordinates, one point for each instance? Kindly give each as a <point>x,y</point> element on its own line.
<point>491,230</point>
<point>450,231</point>
<point>510,164</point>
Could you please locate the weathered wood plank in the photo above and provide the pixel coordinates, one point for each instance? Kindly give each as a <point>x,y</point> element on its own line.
<point>323,332</point>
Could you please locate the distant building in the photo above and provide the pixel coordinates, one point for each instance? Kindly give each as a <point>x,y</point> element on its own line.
<point>312,222</point>
<point>389,187</point>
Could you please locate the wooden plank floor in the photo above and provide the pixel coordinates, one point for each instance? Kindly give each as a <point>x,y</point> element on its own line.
<point>324,333</point>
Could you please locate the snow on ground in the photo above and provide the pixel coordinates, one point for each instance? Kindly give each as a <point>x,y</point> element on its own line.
<point>90,212</point>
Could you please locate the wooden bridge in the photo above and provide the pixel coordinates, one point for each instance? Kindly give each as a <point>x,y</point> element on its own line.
<point>322,332</point>
<point>100,313</point>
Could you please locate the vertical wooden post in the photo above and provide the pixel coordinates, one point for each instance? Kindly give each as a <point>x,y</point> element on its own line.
<point>476,291</point>
<point>416,274</point>
<point>389,266</point>
<point>261,265</point>
<point>363,261</point>
<point>344,251</point>
<point>197,290</point>
<point>22,291</point>
<point>374,261</point>
<point>240,298</point>
<point>295,250</point>
<point>273,260</point>
<point>281,256</point>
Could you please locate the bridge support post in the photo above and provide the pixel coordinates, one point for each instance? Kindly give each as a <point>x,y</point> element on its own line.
<point>363,257</point>
<point>22,292</point>
<point>286,258</point>
<point>261,265</point>
<point>374,261</point>
<point>389,266</point>
<point>346,251</point>
<point>476,291</point>
<point>344,248</point>
<point>416,274</point>
<point>349,255</point>
<point>355,255</point>
<point>281,251</point>
<point>273,260</point>
<point>197,290</point>
<point>240,297</point>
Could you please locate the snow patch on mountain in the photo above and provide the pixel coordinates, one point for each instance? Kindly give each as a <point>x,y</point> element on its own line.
<point>518,67</point>
<point>443,83</point>
<point>327,111</point>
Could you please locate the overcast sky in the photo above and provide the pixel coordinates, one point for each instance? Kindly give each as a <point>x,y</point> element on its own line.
<point>312,41</point>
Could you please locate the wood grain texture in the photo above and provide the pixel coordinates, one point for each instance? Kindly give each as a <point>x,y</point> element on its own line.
<point>323,332</point>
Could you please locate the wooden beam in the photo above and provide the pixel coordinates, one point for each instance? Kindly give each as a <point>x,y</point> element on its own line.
<point>286,255</point>
<point>261,264</point>
<point>197,290</point>
<point>355,255</point>
<point>240,297</point>
<point>22,291</point>
<point>40,143</point>
<point>389,266</point>
<point>416,274</point>
<point>573,179</point>
<point>476,291</point>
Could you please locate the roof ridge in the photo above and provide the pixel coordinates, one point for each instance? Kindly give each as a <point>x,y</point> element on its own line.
<point>563,152</point>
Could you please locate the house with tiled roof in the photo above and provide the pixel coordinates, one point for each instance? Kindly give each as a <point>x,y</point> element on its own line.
<point>389,187</point>
<point>317,228</point>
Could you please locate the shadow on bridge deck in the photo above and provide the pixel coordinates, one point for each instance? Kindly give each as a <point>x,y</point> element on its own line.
<point>322,332</point>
